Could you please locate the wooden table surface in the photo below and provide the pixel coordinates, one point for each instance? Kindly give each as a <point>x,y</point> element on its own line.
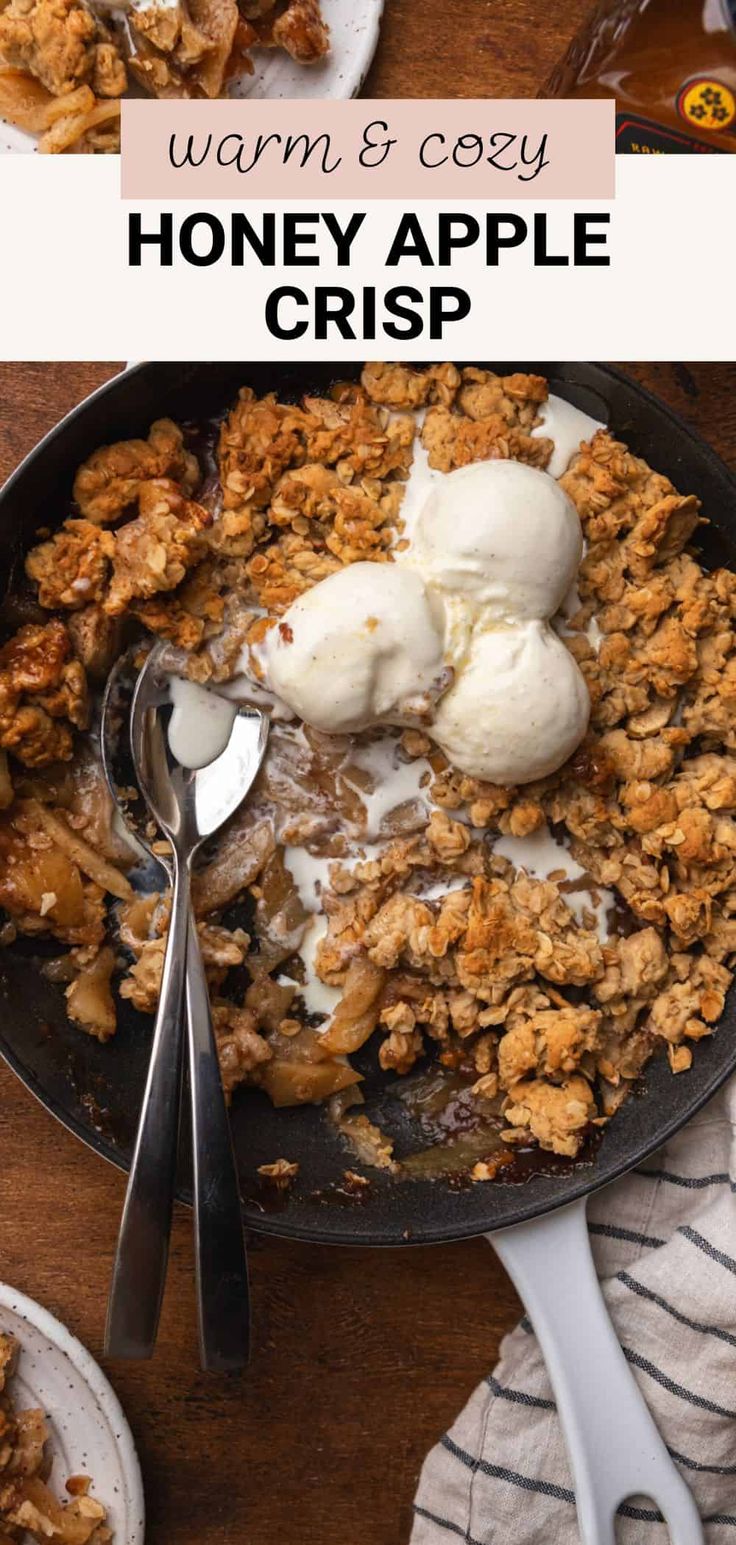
<point>471,48</point>
<point>362,1358</point>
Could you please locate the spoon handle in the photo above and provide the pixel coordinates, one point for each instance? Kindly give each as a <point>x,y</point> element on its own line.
<point>142,1252</point>
<point>223,1297</point>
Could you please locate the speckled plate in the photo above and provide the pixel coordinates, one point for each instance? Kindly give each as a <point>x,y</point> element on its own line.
<point>88,1431</point>
<point>354,28</point>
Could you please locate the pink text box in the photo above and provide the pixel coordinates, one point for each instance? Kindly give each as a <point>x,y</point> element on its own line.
<point>458,149</point>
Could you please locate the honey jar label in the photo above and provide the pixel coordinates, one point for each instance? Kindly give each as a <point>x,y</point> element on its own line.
<point>645,137</point>
<point>709,105</point>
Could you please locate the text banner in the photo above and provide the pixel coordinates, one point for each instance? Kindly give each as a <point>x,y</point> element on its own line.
<point>460,149</point>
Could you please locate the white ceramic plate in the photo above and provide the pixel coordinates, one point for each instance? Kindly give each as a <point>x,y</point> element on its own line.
<point>354,27</point>
<point>88,1432</point>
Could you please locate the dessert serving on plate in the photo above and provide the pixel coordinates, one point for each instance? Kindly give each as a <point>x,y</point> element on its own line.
<point>65,65</point>
<point>29,1509</point>
<point>493,836</point>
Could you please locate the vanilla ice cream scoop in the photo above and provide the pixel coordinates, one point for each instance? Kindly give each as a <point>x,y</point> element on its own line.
<point>517,710</point>
<point>502,535</point>
<point>364,645</point>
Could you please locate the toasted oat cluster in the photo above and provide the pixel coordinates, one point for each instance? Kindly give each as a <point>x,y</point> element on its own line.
<point>28,1508</point>
<point>430,940</point>
<point>65,64</point>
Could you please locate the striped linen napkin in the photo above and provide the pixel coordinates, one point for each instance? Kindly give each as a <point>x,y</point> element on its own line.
<point>664,1239</point>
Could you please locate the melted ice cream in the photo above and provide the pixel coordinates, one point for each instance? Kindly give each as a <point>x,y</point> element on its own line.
<point>395,782</point>
<point>201,723</point>
<point>541,855</point>
<point>568,427</point>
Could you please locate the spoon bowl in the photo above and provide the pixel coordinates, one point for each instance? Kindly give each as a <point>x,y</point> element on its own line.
<point>189,804</point>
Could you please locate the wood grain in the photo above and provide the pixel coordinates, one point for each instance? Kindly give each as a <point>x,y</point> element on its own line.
<point>361,1358</point>
<point>471,48</point>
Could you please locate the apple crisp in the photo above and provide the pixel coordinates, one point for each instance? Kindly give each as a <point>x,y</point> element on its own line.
<point>385,899</point>
<point>65,64</point>
<point>28,1508</point>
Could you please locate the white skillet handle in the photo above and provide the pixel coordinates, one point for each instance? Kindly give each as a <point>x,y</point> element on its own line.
<point>614,1447</point>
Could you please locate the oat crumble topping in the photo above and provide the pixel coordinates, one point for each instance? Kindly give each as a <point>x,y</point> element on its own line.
<point>65,64</point>
<point>430,940</point>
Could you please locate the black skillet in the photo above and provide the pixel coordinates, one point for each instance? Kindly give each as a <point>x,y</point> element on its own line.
<point>96,1090</point>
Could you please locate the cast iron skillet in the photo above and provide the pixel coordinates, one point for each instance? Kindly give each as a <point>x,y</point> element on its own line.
<point>96,1090</point>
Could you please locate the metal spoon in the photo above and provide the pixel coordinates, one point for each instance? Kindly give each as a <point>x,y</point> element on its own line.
<point>188,806</point>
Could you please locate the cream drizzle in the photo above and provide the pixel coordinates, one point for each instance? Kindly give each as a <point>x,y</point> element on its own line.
<point>568,427</point>
<point>200,725</point>
<point>395,782</point>
<point>539,855</point>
